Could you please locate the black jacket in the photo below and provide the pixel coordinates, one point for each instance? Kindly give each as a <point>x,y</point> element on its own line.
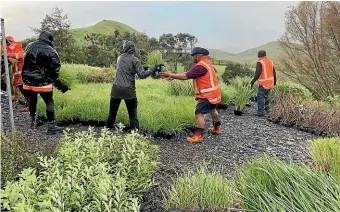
<point>41,62</point>
<point>128,66</point>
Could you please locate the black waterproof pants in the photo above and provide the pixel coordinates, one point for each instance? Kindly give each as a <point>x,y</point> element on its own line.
<point>131,105</point>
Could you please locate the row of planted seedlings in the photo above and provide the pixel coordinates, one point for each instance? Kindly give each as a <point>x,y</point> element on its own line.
<point>88,171</point>
<point>164,108</point>
<point>317,117</point>
<point>264,184</point>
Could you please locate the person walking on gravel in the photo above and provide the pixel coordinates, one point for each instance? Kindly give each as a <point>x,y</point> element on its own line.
<point>207,91</point>
<point>40,71</point>
<point>124,87</point>
<point>265,75</point>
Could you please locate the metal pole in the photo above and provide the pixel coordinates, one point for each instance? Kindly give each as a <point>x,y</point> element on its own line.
<point>1,129</point>
<point>7,73</point>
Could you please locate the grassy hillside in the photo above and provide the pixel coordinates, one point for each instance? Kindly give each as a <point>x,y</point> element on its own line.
<point>250,55</point>
<point>220,55</point>
<point>103,27</point>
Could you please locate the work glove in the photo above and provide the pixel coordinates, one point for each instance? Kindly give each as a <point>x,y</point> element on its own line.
<point>156,70</point>
<point>60,86</point>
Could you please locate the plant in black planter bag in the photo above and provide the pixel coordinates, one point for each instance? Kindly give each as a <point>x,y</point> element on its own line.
<point>242,94</point>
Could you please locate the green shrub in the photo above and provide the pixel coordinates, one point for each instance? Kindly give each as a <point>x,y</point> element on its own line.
<point>233,70</point>
<point>200,191</point>
<point>92,101</point>
<point>79,71</point>
<point>109,173</point>
<point>15,155</point>
<point>104,75</point>
<point>155,58</point>
<point>270,185</point>
<point>325,153</point>
<point>296,89</point>
<point>182,88</point>
<point>243,92</point>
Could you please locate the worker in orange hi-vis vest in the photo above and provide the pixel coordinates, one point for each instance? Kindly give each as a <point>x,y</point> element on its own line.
<point>15,55</point>
<point>207,91</point>
<point>265,75</point>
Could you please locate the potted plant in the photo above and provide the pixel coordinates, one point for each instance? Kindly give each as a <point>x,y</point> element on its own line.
<point>242,94</point>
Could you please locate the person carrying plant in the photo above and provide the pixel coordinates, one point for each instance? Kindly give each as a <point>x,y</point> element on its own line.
<point>124,88</point>
<point>15,55</point>
<point>265,75</point>
<point>207,91</point>
<point>40,72</point>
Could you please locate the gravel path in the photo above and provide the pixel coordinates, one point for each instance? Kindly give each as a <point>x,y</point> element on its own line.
<point>243,138</point>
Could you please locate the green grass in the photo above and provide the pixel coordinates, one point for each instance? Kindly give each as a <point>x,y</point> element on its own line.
<point>325,153</point>
<point>200,191</point>
<point>156,110</point>
<point>270,185</point>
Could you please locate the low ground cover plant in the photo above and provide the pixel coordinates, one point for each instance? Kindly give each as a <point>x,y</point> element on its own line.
<point>90,173</point>
<point>270,185</point>
<point>16,156</point>
<point>199,191</point>
<point>325,154</point>
<point>157,108</point>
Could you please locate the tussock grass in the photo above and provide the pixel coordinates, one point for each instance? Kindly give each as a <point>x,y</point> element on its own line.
<point>243,91</point>
<point>156,110</point>
<point>325,153</point>
<point>200,191</point>
<point>270,185</point>
<point>155,58</point>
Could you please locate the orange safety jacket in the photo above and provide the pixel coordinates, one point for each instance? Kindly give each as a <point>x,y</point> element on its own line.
<point>46,88</point>
<point>266,78</point>
<point>16,54</point>
<point>207,86</point>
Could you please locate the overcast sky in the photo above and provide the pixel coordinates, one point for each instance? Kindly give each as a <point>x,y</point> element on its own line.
<point>231,26</point>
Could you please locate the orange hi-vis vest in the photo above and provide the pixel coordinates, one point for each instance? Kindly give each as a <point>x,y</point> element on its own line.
<point>266,78</point>
<point>16,54</point>
<point>207,86</point>
<point>41,89</point>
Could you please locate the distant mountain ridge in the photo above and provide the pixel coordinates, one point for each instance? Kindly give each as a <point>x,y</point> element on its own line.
<point>249,56</point>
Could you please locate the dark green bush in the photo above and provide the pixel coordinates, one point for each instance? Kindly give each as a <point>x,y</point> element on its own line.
<point>236,69</point>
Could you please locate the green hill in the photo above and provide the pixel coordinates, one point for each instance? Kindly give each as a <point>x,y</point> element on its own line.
<point>102,27</point>
<point>219,54</point>
<point>250,55</point>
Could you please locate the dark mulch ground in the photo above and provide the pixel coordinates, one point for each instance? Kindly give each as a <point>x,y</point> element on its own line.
<point>243,138</point>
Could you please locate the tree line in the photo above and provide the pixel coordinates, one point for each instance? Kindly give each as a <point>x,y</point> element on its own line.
<point>102,50</point>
